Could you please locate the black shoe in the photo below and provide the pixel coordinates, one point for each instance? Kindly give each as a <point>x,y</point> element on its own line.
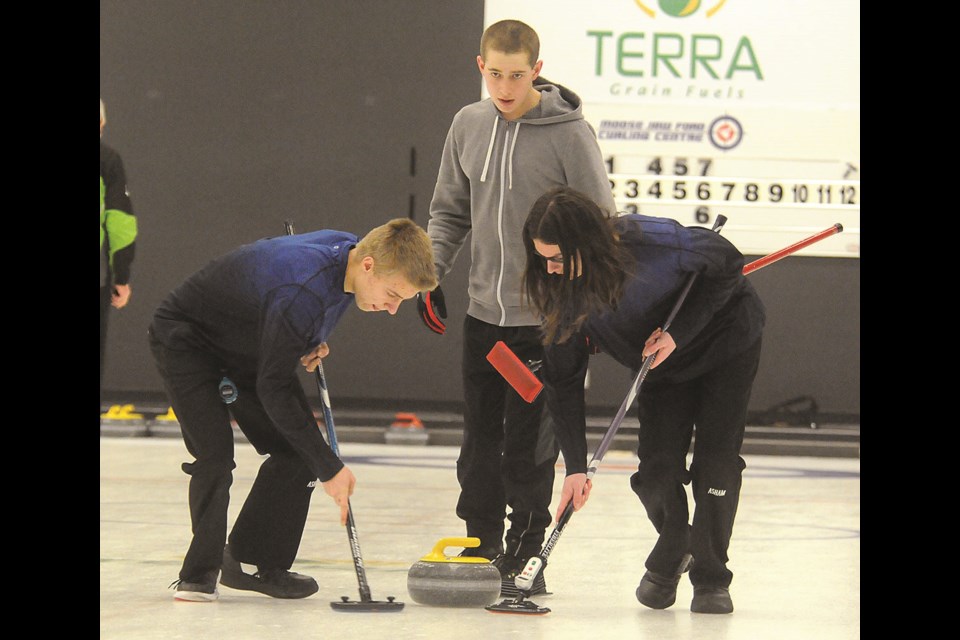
<point>200,589</point>
<point>509,566</point>
<point>711,600</point>
<point>658,591</point>
<point>276,583</point>
<point>481,552</point>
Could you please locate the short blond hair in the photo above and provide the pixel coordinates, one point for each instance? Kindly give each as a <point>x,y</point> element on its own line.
<point>511,36</point>
<point>402,246</point>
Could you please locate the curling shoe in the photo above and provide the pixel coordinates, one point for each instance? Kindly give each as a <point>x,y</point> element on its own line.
<point>490,553</point>
<point>200,589</point>
<point>658,591</point>
<point>711,600</point>
<point>276,583</point>
<point>510,566</point>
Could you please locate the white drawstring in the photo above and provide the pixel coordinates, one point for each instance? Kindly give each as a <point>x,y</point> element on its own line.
<point>513,145</point>
<point>486,163</point>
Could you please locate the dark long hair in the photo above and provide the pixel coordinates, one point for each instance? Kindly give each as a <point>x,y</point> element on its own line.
<point>589,244</point>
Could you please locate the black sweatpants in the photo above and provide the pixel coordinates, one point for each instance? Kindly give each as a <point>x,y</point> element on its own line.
<point>509,452</point>
<point>715,406</point>
<point>270,524</point>
<point>105,299</point>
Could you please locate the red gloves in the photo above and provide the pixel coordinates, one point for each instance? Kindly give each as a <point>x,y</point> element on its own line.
<point>433,310</point>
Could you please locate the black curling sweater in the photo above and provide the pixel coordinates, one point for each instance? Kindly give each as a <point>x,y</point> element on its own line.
<point>256,311</point>
<point>721,317</point>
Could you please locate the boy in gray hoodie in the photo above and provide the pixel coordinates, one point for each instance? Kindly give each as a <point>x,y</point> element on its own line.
<point>500,155</point>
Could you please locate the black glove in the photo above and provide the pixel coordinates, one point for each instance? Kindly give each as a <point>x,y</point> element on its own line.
<point>433,310</point>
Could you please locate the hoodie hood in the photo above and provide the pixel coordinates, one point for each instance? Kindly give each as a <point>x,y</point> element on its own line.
<point>557,104</point>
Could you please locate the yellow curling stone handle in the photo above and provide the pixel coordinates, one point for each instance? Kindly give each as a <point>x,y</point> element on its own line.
<point>437,553</point>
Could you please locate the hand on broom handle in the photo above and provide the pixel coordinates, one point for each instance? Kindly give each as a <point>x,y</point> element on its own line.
<point>536,564</point>
<point>366,602</point>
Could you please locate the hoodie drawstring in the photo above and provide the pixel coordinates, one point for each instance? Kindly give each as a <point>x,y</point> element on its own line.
<point>513,145</point>
<point>493,138</point>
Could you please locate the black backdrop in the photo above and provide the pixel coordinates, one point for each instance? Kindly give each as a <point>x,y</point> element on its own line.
<point>234,115</point>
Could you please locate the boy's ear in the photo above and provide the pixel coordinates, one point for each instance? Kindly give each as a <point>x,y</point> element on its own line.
<point>480,63</point>
<point>367,263</point>
<point>536,69</point>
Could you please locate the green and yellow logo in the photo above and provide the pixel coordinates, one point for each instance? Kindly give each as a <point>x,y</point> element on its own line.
<point>671,60</point>
<point>679,8</point>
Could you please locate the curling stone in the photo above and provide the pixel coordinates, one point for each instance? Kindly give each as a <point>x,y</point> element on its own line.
<point>407,428</point>
<point>459,581</point>
<point>122,420</point>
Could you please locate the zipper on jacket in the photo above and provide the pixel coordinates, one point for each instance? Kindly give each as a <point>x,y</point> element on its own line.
<point>503,166</point>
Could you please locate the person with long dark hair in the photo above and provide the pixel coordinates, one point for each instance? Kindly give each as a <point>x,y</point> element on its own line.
<point>603,283</point>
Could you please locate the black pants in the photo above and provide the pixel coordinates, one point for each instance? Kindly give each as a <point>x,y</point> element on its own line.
<point>717,404</point>
<point>105,299</point>
<point>509,453</point>
<point>270,524</point>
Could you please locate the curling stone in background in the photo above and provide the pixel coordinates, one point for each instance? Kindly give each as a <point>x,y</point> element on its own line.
<point>165,424</point>
<point>122,420</point>
<point>453,581</point>
<point>406,429</point>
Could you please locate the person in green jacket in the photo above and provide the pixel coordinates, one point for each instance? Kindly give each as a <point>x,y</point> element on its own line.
<point>118,235</point>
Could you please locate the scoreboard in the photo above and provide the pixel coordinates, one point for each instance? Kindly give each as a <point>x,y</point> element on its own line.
<point>746,108</point>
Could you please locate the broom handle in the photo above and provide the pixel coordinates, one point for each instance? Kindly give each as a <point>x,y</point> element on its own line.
<point>364,587</point>
<point>607,439</point>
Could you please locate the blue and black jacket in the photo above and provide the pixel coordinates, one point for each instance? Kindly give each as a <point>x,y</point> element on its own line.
<point>256,311</point>
<point>721,317</point>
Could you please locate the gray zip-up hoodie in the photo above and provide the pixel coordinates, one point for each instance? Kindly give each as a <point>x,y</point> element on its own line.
<point>491,173</point>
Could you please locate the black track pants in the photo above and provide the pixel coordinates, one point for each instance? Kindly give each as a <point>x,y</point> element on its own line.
<point>717,404</point>
<point>270,525</point>
<point>509,452</point>
<point>105,298</point>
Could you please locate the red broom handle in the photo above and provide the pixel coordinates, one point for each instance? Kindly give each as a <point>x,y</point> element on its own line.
<point>783,253</point>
